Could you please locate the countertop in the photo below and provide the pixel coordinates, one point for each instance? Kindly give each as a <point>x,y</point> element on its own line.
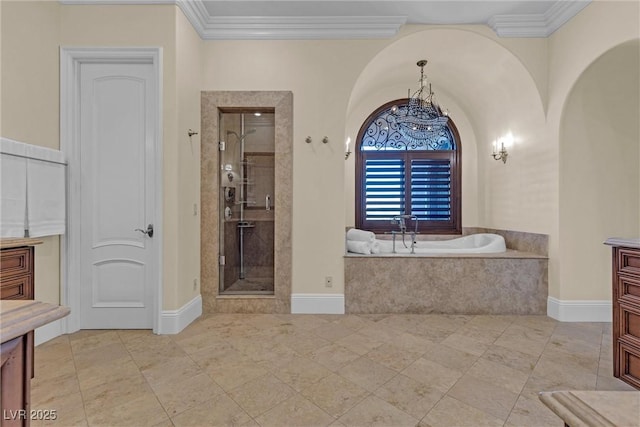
<point>17,317</point>
<point>619,241</point>
<point>595,408</point>
<point>16,243</point>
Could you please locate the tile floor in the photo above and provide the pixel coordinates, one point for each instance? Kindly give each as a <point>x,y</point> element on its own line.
<point>318,370</point>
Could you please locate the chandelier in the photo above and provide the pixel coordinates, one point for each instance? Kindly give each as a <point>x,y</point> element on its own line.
<point>421,118</point>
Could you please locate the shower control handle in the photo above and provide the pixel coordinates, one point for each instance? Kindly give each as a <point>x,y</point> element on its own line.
<point>148,231</point>
<point>267,202</point>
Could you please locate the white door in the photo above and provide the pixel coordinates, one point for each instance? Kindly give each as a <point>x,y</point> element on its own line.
<point>117,143</point>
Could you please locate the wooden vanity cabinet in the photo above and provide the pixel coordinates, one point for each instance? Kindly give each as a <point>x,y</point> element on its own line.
<point>626,310</point>
<point>16,273</point>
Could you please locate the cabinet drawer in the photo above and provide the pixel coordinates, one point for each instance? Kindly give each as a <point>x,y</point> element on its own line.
<point>628,289</point>
<point>630,324</point>
<point>629,358</point>
<point>629,261</point>
<point>20,287</point>
<point>16,261</point>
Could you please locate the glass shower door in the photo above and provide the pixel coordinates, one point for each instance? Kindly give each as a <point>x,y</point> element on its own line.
<point>247,190</point>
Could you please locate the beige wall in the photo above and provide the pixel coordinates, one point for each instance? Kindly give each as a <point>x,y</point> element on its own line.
<point>30,103</point>
<point>32,33</point>
<point>491,85</point>
<point>600,27</point>
<point>187,150</point>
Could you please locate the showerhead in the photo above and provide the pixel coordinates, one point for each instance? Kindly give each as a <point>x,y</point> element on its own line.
<point>240,137</point>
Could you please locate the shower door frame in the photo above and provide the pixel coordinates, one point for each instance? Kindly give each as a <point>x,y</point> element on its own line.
<point>281,103</point>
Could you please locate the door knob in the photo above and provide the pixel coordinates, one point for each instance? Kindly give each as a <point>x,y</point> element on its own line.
<point>148,231</point>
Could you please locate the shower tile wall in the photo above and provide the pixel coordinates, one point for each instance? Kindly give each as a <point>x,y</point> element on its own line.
<point>259,250</point>
<point>232,253</point>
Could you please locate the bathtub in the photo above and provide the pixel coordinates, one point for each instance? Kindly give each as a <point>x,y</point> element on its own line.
<point>483,243</point>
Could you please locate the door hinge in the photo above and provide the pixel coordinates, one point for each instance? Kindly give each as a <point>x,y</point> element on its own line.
<point>221,145</point>
<point>221,260</point>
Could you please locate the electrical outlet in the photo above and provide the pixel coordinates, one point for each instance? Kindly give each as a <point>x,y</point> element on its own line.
<point>328,282</point>
<point>195,284</point>
<point>195,209</point>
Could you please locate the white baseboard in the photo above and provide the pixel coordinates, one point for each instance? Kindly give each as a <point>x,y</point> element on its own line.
<point>579,310</point>
<point>317,303</point>
<point>48,332</point>
<point>173,321</point>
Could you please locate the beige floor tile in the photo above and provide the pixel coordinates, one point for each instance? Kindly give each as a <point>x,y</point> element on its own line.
<point>102,373</point>
<point>140,411</point>
<point>95,341</point>
<point>450,357</point>
<point>466,343</point>
<point>514,359</point>
<point>410,396</point>
<point>366,373</point>
<point>393,357</point>
<point>532,413</point>
<point>302,342</point>
<point>374,411</point>
<point>85,333</point>
<point>491,322</point>
<point>333,356</point>
<point>231,375</point>
<point>261,394</point>
<point>610,383</point>
<point>333,331</point>
<point>219,411</point>
<point>524,339</point>
<point>295,411</point>
<point>51,368</point>
<point>289,357</point>
<point>335,394</point>
<point>562,369</point>
<point>410,342</point>
<point>110,395</point>
<point>105,354</point>
<point>451,412</point>
<point>69,411</point>
<point>45,390</point>
<point>302,321</point>
<point>359,343</point>
<point>147,357</point>
<point>300,373</point>
<point>499,375</point>
<point>489,398</point>
<point>171,371</point>
<point>432,374</point>
<point>180,395</point>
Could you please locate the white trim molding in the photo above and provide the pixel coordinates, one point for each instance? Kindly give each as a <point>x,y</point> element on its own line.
<point>538,24</point>
<point>317,303</point>
<point>174,321</point>
<point>579,310</point>
<point>48,332</point>
<point>343,27</point>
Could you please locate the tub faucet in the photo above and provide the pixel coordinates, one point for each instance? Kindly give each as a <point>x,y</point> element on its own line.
<point>401,220</point>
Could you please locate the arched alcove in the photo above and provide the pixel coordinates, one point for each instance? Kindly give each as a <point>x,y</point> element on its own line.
<point>599,167</point>
<point>489,93</point>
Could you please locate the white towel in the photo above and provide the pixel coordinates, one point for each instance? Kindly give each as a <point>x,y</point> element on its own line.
<point>359,247</point>
<point>36,177</point>
<point>375,247</point>
<point>360,235</point>
<point>13,188</point>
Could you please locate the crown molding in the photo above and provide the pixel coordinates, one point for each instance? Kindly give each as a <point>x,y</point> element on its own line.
<point>342,27</point>
<point>537,25</point>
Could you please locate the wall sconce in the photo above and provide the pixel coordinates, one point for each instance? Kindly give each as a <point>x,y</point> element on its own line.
<point>499,155</point>
<point>347,151</point>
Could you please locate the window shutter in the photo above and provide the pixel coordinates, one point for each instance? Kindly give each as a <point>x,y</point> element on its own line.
<point>431,189</point>
<point>384,185</point>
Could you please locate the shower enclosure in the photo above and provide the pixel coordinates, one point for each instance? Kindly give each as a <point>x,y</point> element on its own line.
<point>247,186</point>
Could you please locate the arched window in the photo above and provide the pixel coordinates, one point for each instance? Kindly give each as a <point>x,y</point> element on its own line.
<point>407,173</point>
